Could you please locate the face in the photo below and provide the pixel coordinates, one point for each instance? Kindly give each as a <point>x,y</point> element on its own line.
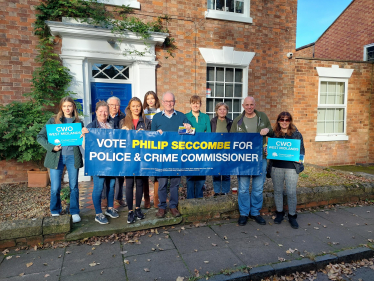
<point>113,106</point>
<point>151,101</point>
<point>284,122</point>
<point>195,106</point>
<point>102,113</point>
<point>249,105</point>
<point>135,108</point>
<point>222,111</point>
<point>168,102</point>
<point>67,109</point>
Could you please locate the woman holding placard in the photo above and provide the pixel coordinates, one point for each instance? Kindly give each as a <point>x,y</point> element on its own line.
<point>286,171</point>
<point>60,156</point>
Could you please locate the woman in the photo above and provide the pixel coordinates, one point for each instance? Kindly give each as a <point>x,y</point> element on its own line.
<point>221,124</point>
<point>135,120</point>
<point>102,122</point>
<point>57,157</point>
<point>286,171</point>
<point>200,121</point>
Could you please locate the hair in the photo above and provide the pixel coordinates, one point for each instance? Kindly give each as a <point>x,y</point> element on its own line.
<point>195,99</point>
<point>101,103</point>
<point>291,127</point>
<point>114,98</point>
<point>157,101</point>
<point>127,121</point>
<point>218,105</point>
<point>60,113</point>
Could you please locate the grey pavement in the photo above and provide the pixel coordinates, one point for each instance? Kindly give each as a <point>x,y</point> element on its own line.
<point>215,250</point>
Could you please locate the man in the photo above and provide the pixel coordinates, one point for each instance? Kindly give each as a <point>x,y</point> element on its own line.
<point>115,116</point>
<point>168,120</point>
<point>251,121</point>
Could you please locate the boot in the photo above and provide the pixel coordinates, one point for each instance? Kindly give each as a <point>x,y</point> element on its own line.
<point>279,217</point>
<point>147,200</point>
<point>155,195</point>
<point>293,222</point>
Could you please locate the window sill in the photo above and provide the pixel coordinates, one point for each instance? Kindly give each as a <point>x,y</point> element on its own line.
<point>332,138</point>
<point>131,3</point>
<point>213,14</point>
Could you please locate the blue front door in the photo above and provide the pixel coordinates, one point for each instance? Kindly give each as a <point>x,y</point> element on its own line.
<point>103,91</point>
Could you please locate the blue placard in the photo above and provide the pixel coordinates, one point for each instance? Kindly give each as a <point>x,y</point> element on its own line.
<point>65,134</point>
<point>283,149</point>
<point>141,153</point>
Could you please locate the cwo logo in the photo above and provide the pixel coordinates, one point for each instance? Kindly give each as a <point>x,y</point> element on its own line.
<point>64,129</point>
<point>283,143</point>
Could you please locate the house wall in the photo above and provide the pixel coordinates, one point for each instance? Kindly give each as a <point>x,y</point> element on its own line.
<point>346,37</point>
<point>305,52</point>
<point>359,114</point>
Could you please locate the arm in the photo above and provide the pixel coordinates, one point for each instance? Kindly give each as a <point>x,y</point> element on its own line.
<point>42,138</point>
<point>186,123</point>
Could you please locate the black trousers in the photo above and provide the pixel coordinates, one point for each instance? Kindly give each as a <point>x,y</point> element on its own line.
<point>130,191</point>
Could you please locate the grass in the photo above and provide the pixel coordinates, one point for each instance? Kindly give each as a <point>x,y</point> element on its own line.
<point>355,169</point>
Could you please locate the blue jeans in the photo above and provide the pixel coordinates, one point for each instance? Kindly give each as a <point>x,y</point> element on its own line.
<point>162,191</point>
<point>221,181</point>
<point>195,187</point>
<point>98,188</point>
<point>56,175</point>
<point>251,203</point>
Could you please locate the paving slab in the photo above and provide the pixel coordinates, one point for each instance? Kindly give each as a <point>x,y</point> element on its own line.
<point>53,275</point>
<point>39,262</point>
<point>311,220</point>
<point>284,229</point>
<point>147,245</point>
<point>80,257</point>
<point>366,231</point>
<point>233,231</point>
<point>201,239</point>
<point>341,217</point>
<point>114,273</point>
<point>366,212</point>
<point>212,261</point>
<point>260,241</point>
<point>165,265</point>
<point>88,227</point>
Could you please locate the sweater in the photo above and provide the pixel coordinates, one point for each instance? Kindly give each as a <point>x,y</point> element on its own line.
<point>203,125</point>
<point>161,122</point>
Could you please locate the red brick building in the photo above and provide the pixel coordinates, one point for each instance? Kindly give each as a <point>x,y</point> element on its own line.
<point>236,49</point>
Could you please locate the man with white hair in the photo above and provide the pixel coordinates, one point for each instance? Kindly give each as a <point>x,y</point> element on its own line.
<point>251,121</point>
<point>168,120</point>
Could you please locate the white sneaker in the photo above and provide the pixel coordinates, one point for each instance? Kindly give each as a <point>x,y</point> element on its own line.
<point>76,218</point>
<point>55,215</point>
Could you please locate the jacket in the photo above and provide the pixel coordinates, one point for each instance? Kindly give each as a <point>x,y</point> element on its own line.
<point>115,121</point>
<point>213,124</point>
<point>296,135</point>
<point>143,123</point>
<point>52,157</point>
<point>238,125</point>
<point>95,124</point>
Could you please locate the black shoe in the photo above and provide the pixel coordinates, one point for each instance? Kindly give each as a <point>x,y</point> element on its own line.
<point>139,214</point>
<point>216,194</point>
<point>279,217</point>
<point>242,220</point>
<point>259,219</point>
<point>222,193</point>
<point>131,217</point>
<point>293,222</point>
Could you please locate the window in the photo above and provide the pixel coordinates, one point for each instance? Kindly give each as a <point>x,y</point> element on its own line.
<point>332,107</point>
<point>109,71</point>
<point>232,10</point>
<point>225,84</point>
<point>369,52</point>
<point>131,3</point>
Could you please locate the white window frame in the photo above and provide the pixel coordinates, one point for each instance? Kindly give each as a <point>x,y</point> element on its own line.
<point>131,3</point>
<point>333,136</point>
<point>365,51</point>
<point>114,81</point>
<point>230,16</point>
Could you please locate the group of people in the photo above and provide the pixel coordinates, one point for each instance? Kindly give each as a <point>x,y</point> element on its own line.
<point>148,116</point>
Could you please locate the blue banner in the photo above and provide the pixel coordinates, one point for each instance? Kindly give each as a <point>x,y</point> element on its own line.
<point>65,134</point>
<point>283,149</point>
<point>144,153</point>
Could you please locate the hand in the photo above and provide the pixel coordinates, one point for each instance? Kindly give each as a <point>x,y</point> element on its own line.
<point>159,131</point>
<point>125,128</point>
<point>140,129</point>
<point>264,132</point>
<point>84,131</point>
<point>187,126</point>
<point>57,148</point>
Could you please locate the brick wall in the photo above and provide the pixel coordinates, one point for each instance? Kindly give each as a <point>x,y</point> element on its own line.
<point>305,52</point>
<point>348,35</point>
<point>359,114</point>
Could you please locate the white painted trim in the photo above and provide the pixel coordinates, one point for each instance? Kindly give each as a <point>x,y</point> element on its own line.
<point>131,3</point>
<point>365,52</point>
<point>230,16</point>
<point>334,71</point>
<point>227,56</point>
<point>331,138</point>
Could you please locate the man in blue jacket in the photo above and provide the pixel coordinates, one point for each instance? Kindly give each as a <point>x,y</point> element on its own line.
<point>168,120</point>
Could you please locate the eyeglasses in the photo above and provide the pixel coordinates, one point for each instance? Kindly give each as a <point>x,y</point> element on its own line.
<point>113,105</point>
<point>284,120</point>
<point>168,101</point>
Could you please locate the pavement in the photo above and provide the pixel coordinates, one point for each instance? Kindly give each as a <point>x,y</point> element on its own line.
<point>219,250</point>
